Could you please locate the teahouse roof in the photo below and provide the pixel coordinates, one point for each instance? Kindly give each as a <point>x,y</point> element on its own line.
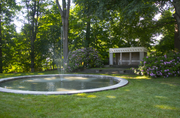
<point>127,49</point>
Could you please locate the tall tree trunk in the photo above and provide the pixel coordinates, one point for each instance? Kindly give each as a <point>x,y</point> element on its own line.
<point>1,64</point>
<point>32,55</point>
<point>54,53</point>
<point>88,26</point>
<point>33,37</point>
<point>64,11</point>
<point>176,4</point>
<point>176,42</point>
<point>87,33</point>
<point>34,28</point>
<point>65,39</point>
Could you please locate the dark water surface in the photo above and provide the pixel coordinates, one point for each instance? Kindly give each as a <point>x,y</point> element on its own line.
<point>57,83</point>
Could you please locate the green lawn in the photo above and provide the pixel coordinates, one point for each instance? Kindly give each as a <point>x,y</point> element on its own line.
<point>143,97</point>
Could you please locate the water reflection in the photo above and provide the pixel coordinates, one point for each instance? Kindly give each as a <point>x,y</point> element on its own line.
<point>55,83</point>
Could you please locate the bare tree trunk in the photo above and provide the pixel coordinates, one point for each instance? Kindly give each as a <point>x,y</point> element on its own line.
<point>176,40</point>
<point>34,27</point>
<point>53,60</point>
<point>33,37</point>
<point>65,40</point>
<point>32,55</point>
<point>64,11</point>
<point>88,27</point>
<point>176,4</point>
<point>87,33</point>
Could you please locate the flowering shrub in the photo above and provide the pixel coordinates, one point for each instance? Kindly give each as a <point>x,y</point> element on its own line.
<point>83,58</point>
<point>160,66</point>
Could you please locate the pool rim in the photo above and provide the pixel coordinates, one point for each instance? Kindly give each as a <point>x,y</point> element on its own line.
<point>121,83</point>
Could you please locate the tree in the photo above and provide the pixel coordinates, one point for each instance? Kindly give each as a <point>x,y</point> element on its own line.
<point>64,11</point>
<point>147,8</point>
<point>167,41</point>
<point>176,4</point>
<point>132,11</point>
<point>35,10</point>
<point>7,29</point>
<point>86,16</point>
<point>50,31</point>
<point>33,15</point>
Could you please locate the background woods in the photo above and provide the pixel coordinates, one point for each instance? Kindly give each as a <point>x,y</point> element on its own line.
<point>97,24</point>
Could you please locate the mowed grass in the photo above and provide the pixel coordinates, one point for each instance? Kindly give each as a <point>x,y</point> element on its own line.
<point>143,97</point>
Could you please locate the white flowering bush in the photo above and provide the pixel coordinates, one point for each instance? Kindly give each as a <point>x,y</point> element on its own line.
<point>160,66</point>
<point>83,58</point>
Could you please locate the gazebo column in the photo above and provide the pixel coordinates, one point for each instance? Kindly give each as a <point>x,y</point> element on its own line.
<point>130,58</point>
<point>141,56</point>
<point>120,58</point>
<point>110,58</point>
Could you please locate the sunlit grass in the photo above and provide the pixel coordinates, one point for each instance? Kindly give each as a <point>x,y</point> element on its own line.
<point>143,97</point>
<point>166,107</point>
<point>111,96</point>
<point>134,77</point>
<point>108,68</point>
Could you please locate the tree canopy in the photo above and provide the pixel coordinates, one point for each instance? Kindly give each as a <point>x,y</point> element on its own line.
<point>137,16</point>
<point>97,24</point>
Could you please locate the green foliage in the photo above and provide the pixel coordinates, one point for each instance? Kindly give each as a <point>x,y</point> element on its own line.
<point>113,24</point>
<point>167,30</point>
<point>7,33</point>
<point>160,66</point>
<point>48,41</point>
<point>135,23</point>
<point>83,58</point>
<point>115,27</point>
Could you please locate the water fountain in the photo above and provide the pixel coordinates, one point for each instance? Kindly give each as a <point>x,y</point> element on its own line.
<point>62,67</point>
<point>60,83</point>
<point>52,84</point>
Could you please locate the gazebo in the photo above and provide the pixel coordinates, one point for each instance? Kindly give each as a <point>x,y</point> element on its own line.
<point>127,55</point>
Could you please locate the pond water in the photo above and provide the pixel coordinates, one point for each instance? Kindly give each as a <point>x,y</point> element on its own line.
<point>57,83</point>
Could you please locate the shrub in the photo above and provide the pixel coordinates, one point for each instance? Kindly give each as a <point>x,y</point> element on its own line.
<point>160,66</point>
<point>83,58</point>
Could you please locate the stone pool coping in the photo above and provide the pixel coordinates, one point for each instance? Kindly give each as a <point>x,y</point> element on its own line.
<point>121,83</point>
